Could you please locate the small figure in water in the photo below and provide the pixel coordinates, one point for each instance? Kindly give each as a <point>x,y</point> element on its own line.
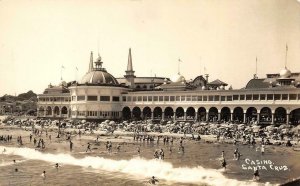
<point>224,164</point>
<point>44,175</point>
<point>256,175</point>
<point>139,150</point>
<point>71,145</point>
<point>153,180</point>
<point>88,148</point>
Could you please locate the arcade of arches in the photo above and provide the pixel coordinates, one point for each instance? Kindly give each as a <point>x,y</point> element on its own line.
<point>212,114</point>
<point>54,111</point>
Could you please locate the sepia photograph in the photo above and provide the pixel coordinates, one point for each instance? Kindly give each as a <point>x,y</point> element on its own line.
<point>142,92</point>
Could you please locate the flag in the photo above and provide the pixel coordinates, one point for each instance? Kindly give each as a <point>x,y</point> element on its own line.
<point>62,67</point>
<point>179,60</point>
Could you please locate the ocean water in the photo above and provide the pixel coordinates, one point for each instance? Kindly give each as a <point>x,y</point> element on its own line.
<point>199,165</point>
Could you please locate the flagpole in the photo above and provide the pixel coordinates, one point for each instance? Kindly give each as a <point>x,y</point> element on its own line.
<point>286,50</point>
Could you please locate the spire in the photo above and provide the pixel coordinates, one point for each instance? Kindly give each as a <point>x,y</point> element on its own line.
<point>129,65</point>
<point>91,62</point>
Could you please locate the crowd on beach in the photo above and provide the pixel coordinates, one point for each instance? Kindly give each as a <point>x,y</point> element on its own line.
<point>259,136</point>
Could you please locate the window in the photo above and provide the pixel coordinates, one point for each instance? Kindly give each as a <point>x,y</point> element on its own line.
<point>73,98</point>
<point>81,113</point>
<point>269,96</point>
<point>92,98</point>
<point>210,98</point>
<point>155,98</point>
<point>298,96</point>
<point>262,97</point>
<point>166,98</point>
<point>194,98</point>
<point>139,98</point>
<point>80,98</point>
<point>277,96</point>
<point>133,98</point>
<point>229,98</point>
<point>199,98</point>
<point>235,97</point>
<point>129,98</point>
<point>144,98</point>
<point>124,98</point>
<point>242,97</point>
<point>248,96</point>
<point>104,98</point>
<point>293,96</point>
<point>222,98</point>
<point>177,98</point>
<point>161,98</point>
<point>115,98</point>
<point>284,96</point>
<point>92,113</point>
<point>217,98</point>
<point>204,98</point>
<point>182,98</point>
<point>188,98</point>
<point>149,98</point>
<point>172,98</point>
<point>255,97</point>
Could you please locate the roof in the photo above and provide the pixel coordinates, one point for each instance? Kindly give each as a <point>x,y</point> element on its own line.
<point>144,80</point>
<point>217,82</point>
<point>257,83</point>
<point>98,77</point>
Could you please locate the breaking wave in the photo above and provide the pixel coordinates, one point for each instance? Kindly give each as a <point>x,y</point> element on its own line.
<point>139,167</point>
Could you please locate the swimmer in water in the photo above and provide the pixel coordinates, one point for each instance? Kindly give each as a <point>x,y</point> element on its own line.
<point>14,161</point>
<point>57,166</point>
<point>153,180</point>
<point>44,175</point>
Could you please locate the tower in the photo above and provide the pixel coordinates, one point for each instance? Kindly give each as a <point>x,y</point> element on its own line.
<point>91,63</point>
<point>129,76</point>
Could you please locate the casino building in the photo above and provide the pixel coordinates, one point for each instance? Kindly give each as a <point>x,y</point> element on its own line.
<point>274,99</point>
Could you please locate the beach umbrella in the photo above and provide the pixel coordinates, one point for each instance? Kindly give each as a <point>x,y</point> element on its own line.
<point>270,128</point>
<point>112,122</point>
<point>83,121</point>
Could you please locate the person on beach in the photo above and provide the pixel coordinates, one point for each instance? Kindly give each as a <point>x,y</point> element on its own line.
<point>262,149</point>
<point>71,145</point>
<point>30,138</point>
<point>139,150</point>
<point>153,180</point>
<point>161,154</point>
<point>223,155</point>
<point>224,164</point>
<point>88,148</point>
<point>256,175</point>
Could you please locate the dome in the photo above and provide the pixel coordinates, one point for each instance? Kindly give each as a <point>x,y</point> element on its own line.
<point>98,77</point>
<point>285,73</point>
<point>177,78</point>
<point>63,83</point>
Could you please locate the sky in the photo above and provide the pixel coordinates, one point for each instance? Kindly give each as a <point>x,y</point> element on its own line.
<point>220,38</point>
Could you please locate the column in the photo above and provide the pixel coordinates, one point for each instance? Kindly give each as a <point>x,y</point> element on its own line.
<point>174,116</point>
<point>52,113</point>
<point>272,122</point>
<point>163,115</point>
<point>184,117</point>
<point>231,117</point>
<point>219,116</point>
<point>245,117</point>
<point>258,116</point>
<point>206,119</point>
<point>196,116</point>
<point>152,115</point>
<point>120,114</point>
<point>45,113</point>
<point>287,119</point>
<point>142,115</point>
